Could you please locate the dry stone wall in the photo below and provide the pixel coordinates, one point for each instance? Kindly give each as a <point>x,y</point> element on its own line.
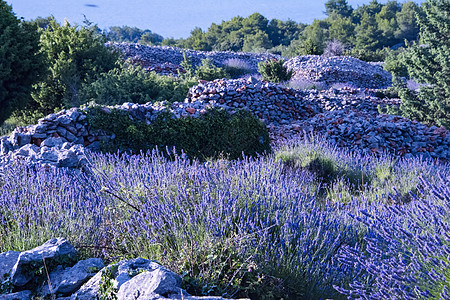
<point>346,116</point>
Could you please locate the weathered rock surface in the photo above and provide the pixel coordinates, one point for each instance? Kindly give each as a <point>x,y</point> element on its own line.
<point>156,283</point>
<point>65,281</point>
<point>131,279</point>
<point>22,295</point>
<point>7,262</point>
<point>54,252</point>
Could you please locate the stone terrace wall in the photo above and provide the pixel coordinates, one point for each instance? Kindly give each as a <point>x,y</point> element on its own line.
<point>315,68</point>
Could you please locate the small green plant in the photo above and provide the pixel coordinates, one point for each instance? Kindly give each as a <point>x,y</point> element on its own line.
<point>107,290</point>
<point>186,64</point>
<point>274,71</point>
<point>208,71</point>
<point>312,161</point>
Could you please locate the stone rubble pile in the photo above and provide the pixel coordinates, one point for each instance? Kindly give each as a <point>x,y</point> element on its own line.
<point>373,133</point>
<point>157,56</point>
<point>166,69</point>
<point>361,99</point>
<point>68,278</point>
<point>339,69</point>
<point>315,68</point>
<point>270,102</point>
<point>57,140</point>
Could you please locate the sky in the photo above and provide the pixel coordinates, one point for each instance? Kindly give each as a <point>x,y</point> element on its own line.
<point>170,18</point>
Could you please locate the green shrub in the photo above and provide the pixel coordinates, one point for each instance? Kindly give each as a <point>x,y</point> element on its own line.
<point>186,64</point>
<point>131,83</point>
<point>274,71</point>
<point>208,71</point>
<point>313,161</point>
<point>74,57</point>
<point>210,135</point>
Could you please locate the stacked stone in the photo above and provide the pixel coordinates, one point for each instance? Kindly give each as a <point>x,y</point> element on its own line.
<point>57,140</point>
<point>374,133</point>
<point>166,68</point>
<point>361,99</point>
<point>159,55</point>
<point>270,102</point>
<point>68,278</point>
<point>339,69</point>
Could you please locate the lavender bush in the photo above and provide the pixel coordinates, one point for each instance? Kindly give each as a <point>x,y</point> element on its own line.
<point>305,84</point>
<point>247,228</point>
<point>236,67</point>
<point>406,256</point>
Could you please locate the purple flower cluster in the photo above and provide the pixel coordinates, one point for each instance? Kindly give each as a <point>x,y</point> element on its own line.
<point>406,253</point>
<point>244,216</point>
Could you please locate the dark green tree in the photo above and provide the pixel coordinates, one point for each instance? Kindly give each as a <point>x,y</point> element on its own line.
<point>339,8</point>
<point>408,28</point>
<point>282,33</point>
<point>315,36</point>
<point>428,62</point>
<point>342,29</point>
<point>387,23</point>
<point>75,56</point>
<point>20,63</point>
<point>256,42</point>
<point>133,35</point>
<point>367,33</point>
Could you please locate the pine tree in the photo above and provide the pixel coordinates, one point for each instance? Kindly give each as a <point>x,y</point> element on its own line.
<point>367,33</point>
<point>428,62</point>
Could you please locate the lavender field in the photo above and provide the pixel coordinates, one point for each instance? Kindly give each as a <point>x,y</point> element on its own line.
<point>310,221</point>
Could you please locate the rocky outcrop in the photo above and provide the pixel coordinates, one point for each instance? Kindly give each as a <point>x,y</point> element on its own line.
<point>139,278</point>
<point>339,69</point>
<point>53,252</point>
